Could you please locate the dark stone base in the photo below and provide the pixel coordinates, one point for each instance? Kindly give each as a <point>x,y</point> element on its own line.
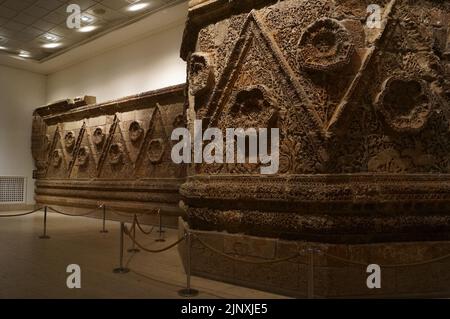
<point>332,278</point>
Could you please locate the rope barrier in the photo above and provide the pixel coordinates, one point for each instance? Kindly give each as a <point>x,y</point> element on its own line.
<point>141,229</point>
<point>74,215</point>
<point>127,232</point>
<point>23,214</point>
<point>115,211</point>
<point>259,262</point>
<point>360,263</point>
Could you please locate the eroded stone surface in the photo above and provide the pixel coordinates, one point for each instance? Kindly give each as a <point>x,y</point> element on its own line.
<point>363,113</point>
<point>116,152</point>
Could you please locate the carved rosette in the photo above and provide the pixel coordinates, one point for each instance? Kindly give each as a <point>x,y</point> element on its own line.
<point>156,150</point>
<point>252,107</point>
<point>362,112</point>
<point>325,45</point>
<point>201,73</point>
<point>56,158</point>
<point>136,131</point>
<point>98,137</point>
<point>116,154</point>
<point>83,156</point>
<point>69,140</point>
<point>179,121</point>
<point>406,103</point>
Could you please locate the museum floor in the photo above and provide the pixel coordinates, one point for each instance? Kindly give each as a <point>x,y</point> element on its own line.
<point>35,268</point>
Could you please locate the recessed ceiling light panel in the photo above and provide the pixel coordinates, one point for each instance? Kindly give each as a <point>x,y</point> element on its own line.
<point>51,37</point>
<point>51,45</point>
<point>24,54</point>
<point>137,6</point>
<point>88,28</point>
<point>87,18</point>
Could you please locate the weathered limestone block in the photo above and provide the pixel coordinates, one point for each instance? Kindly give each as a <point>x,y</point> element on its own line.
<point>116,152</point>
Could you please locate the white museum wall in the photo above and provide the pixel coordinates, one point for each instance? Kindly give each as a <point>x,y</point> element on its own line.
<point>147,59</point>
<point>144,65</point>
<point>20,93</point>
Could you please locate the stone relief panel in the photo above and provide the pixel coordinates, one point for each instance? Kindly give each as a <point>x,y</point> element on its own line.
<point>345,92</point>
<point>350,100</point>
<point>83,152</point>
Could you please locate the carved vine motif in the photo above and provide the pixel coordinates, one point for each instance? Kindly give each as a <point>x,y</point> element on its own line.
<point>56,158</point>
<point>69,140</point>
<point>136,132</point>
<point>116,154</point>
<point>98,137</point>
<point>325,46</point>
<point>83,156</point>
<point>405,102</point>
<point>156,150</point>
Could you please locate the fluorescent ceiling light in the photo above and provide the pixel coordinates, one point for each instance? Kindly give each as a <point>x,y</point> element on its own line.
<point>51,45</point>
<point>2,48</point>
<point>87,28</point>
<point>137,6</point>
<point>51,37</point>
<point>87,18</point>
<point>24,54</point>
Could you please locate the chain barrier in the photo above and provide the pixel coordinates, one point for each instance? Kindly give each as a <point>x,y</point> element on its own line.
<point>23,214</point>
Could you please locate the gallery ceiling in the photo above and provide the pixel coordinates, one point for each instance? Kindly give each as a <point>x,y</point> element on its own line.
<point>37,30</point>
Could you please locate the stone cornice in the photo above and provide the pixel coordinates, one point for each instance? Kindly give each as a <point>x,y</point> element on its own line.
<point>204,12</point>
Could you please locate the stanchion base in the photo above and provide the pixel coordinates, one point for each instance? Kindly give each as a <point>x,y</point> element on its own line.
<point>188,292</point>
<point>133,250</point>
<point>44,237</point>
<point>104,231</point>
<point>160,240</point>
<point>121,270</point>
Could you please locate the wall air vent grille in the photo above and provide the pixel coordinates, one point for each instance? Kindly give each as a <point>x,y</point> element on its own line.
<point>12,189</point>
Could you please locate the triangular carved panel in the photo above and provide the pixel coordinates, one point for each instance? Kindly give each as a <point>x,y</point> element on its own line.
<point>154,157</point>
<point>115,162</point>
<point>57,162</point>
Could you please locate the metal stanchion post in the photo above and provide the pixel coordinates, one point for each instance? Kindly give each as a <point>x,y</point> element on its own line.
<point>44,235</point>
<point>311,274</point>
<point>188,291</point>
<point>121,269</point>
<point>133,248</point>
<point>160,231</point>
<point>104,230</point>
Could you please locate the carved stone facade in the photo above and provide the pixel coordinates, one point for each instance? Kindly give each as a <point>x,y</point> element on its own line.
<point>116,152</point>
<point>363,114</point>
